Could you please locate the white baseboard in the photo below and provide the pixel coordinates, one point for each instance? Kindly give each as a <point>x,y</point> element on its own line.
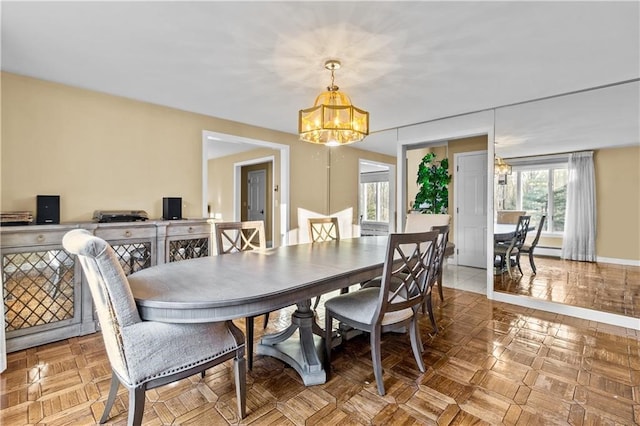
<point>557,252</point>
<point>627,262</point>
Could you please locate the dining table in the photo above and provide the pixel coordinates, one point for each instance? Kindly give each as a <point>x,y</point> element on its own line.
<point>251,283</point>
<point>506,231</point>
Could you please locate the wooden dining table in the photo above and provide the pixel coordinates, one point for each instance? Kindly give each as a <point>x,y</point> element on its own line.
<point>251,283</point>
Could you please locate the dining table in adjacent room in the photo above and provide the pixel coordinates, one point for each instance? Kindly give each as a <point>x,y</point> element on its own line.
<point>219,288</point>
<point>506,231</point>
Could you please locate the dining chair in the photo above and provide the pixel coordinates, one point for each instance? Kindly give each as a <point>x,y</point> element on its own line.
<point>236,237</point>
<point>323,229</point>
<point>509,216</point>
<point>529,248</point>
<point>396,302</point>
<point>147,354</point>
<point>506,251</point>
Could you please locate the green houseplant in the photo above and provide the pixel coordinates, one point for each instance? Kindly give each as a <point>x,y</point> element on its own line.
<point>433,180</point>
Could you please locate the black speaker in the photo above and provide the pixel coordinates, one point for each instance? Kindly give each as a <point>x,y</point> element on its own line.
<point>172,208</point>
<point>48,209</point>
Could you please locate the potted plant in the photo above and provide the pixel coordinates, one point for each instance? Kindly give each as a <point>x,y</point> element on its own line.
<point>433,180</point>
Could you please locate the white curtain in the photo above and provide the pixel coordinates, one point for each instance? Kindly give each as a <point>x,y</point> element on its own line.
<point>580,218</point>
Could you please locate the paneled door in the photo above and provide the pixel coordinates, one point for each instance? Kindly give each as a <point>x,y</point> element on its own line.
<point>471,208</point>
<point>256,194</point>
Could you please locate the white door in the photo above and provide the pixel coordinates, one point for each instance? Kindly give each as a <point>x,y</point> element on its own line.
<point>471,208</point>
<point>256,195</point>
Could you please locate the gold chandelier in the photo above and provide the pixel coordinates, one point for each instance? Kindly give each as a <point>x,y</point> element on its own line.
<point>333,120</point>
<point>501,168</point>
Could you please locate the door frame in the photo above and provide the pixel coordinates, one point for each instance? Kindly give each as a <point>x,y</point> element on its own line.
<point>237,188</point>
<point>283,189</point>
<point>392,190</point>
<point>438,132</point>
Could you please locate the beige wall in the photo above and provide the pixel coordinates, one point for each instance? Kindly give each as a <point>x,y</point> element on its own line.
<point>618,202</point>
<point>103,152</point>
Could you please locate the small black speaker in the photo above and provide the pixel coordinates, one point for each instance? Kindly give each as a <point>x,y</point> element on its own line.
<point>172,208</point>
<point>48,209</point>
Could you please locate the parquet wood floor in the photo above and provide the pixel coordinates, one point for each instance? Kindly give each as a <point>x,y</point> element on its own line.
<point>600,286</point>
<point>491,363</point>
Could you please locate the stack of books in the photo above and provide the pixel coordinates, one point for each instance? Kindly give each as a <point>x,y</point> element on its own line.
<point>16,218</point>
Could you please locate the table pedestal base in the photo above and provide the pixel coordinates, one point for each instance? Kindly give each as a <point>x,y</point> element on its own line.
<point>305,352</point>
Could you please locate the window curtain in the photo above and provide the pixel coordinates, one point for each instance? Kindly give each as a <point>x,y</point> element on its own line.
<point>580,217</point>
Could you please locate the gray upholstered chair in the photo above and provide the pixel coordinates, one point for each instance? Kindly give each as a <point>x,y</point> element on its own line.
<point>396,302</point>
<point>529,248</point>
<point>235,237</point>
<point>148,354</point>
<point>323,229</point>
<point>504,252</point>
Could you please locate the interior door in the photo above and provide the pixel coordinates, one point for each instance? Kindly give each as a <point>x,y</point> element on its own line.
<point>471,208</point>
<point>256,194</point>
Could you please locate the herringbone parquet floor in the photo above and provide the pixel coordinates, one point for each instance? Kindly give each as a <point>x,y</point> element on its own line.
<point>491,363</point>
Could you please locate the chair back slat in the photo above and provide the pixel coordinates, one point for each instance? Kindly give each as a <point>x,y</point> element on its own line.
<point>521,231</point>
<point>323,229</point>
<point>407,271</point>
<point>234,237</point>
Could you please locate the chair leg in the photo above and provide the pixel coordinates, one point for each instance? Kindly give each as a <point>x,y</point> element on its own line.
<point>416,343</point>
<point>518,263</point>
<point>508,260</point>
<point>240,370</point>
<point>316,303</point>
<point>431,316</point>
<point>113,391</point>
<point>376,358</point>
<point>533,265</point>
<point>136,405</point>
<point>440,285</point>
<point>266,321</point>
<point>249,331</point>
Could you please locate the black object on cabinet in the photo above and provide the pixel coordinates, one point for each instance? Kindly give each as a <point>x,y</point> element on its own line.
<point>48,209</point>
<point>172,208</point>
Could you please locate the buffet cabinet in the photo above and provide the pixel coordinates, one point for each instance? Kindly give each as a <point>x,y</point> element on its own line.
<point>45,295</point>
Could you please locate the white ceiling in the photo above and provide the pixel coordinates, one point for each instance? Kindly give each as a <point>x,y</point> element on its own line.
<point>260,62</point>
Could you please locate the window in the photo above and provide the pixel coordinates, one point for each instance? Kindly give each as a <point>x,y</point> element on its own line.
<point>538,188</point>
<point>374,196</point>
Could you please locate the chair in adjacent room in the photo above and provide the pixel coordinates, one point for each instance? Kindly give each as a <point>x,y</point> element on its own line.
<point>529,248</point>
<point>147,354</point>
<point>395,303</point>
<point>508,254</point>
<point>235,237</point>
<point>509,216</point>
<point>323,229</point>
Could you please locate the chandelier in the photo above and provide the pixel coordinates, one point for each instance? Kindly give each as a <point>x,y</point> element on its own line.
<point>333,120</point>
<point>501,168</point>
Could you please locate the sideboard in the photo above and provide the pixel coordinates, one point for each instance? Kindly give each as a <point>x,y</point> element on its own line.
<point>45,295</point>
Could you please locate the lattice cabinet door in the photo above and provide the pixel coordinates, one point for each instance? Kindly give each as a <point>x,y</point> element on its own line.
<point>135,246</point>
<point>187,241</point>
<point>43,292</point>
